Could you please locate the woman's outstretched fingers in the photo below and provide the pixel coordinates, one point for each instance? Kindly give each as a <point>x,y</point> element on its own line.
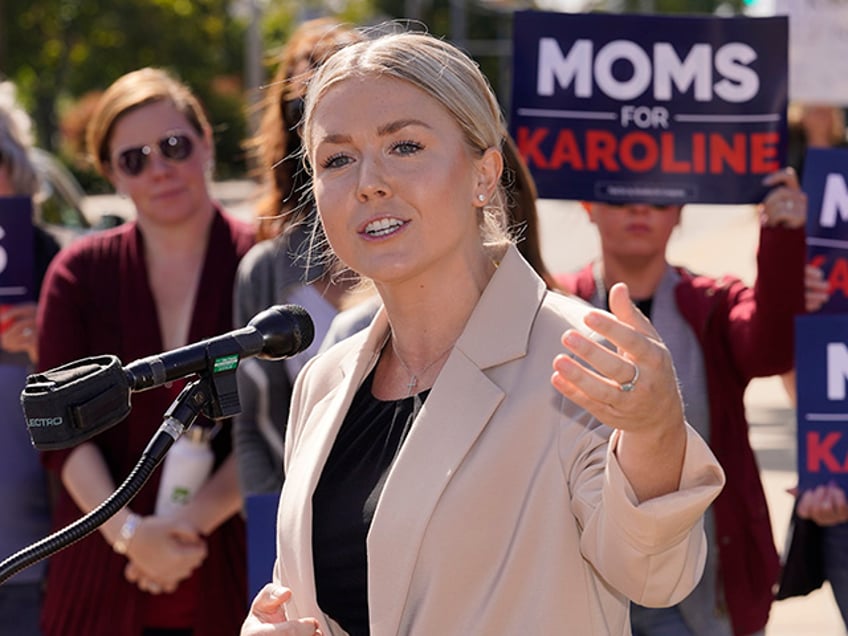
<point>621,305</point>
<point>630,386</point>
<point>609,370</point>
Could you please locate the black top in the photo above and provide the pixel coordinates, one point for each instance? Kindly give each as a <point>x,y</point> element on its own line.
<point>346,498</point>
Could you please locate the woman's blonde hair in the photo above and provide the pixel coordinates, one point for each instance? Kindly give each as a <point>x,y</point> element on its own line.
<point>441,71</point>
<point>134,90</point>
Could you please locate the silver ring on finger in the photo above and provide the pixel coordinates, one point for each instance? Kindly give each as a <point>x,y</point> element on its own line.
<point>627,387</point>
<point>27,332</point>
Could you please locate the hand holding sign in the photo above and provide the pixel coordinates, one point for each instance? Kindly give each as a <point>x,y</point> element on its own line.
<point>816,289</point>
<point>785,205</point>
<point>17,329</point>
<point>825,504</point>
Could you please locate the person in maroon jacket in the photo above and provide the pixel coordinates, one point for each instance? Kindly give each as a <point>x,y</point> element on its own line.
<point>151,285</point>
<point>721,334</point>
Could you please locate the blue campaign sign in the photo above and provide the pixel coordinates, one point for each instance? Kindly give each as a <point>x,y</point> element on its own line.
<point>824,182</point>
<point>821,350</point>
<point>261,540</point>
<point>648,108</point>
<point>16,250</point>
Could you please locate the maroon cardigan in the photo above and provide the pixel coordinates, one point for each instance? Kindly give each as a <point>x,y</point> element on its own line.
<point>744,333</point>
<point>96,299</point>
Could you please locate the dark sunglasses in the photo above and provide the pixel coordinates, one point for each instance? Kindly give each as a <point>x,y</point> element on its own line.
<point>177,147</point>
<point>293,112</point>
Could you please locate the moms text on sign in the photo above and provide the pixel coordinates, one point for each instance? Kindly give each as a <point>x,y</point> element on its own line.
<point>661,71</point>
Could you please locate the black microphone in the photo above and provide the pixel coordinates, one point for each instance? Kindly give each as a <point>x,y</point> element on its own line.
<point>72,403</point>
<point>278,332</point>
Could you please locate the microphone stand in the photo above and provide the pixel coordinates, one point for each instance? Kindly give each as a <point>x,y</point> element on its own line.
<point>183,411</point>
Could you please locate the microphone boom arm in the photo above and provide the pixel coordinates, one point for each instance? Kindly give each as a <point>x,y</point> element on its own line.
<point>76,401</point>
<point>192,400</point>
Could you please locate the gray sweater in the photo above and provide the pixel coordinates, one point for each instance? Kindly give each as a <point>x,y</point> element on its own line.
<point>266,276</point>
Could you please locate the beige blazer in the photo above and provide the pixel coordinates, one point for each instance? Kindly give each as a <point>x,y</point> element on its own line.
<point>505,511</point>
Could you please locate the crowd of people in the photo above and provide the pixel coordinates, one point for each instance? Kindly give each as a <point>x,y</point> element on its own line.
<point>25,489</point>
<point>471,444</point>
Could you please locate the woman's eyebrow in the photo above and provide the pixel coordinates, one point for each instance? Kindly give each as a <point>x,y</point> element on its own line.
<point>393,127</point>
<point>382,131</point>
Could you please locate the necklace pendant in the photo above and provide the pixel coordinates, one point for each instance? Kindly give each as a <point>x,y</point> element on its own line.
<point>413,382</point>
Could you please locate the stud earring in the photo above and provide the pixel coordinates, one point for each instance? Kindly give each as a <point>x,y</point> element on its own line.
<point>481,197</point>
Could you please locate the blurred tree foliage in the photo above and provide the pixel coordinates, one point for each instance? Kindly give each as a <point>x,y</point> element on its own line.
<point>676,6</point>
<point>281,17</point>
<point>62,52</point>
<point>59,50</point>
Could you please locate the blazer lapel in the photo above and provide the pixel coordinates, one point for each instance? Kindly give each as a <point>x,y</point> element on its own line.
<point>461,403</point>
<point>317,436</point>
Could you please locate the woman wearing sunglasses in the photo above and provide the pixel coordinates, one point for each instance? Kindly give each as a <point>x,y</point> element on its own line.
<point>151,285</point>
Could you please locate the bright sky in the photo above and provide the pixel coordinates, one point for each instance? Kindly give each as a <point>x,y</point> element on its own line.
<point>561,5</point>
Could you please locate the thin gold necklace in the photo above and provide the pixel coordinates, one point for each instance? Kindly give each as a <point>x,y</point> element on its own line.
<point>413,377</point>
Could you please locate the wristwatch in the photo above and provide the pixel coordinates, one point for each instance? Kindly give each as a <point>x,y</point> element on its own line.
<point>122,543</point>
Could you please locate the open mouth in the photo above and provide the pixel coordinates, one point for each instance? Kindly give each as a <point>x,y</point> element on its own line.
<point>383,227</point>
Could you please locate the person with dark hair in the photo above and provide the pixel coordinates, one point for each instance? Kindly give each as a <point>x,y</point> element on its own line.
<point>150,285</point>
<point>276,269</point>
<point>275,149</point>
<point>478,460</point>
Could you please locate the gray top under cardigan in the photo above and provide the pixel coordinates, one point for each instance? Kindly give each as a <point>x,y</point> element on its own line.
<point>266,276</point>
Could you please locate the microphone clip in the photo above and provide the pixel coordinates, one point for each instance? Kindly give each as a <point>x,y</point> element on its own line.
<point>221,370</point>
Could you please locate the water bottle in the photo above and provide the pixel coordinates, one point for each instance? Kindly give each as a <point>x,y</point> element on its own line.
<point>186,468</point>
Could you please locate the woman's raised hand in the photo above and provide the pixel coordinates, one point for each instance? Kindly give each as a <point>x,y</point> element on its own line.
<point>632,388</point>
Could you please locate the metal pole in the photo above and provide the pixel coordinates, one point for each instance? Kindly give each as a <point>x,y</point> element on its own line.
<point>253,72</point>
<point>412,9</point>
<point>459,26</point>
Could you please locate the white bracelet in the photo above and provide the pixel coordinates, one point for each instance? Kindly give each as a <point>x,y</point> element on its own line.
<point>122,543</point>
